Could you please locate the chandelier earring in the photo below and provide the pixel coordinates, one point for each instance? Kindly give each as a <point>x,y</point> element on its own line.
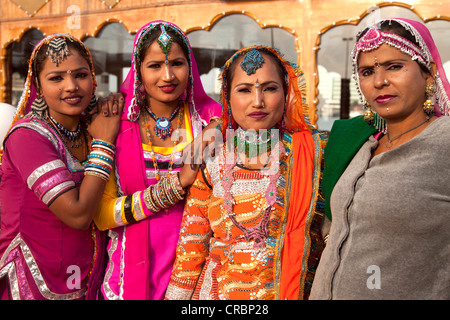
<point>39,107</point>
<point>428,106</point>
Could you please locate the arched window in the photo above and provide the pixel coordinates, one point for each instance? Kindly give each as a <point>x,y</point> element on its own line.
<point>17,58</point>
<point>111,50</point>
<point>212,48</point>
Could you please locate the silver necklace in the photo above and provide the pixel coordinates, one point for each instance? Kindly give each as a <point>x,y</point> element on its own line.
<point>399,135</point>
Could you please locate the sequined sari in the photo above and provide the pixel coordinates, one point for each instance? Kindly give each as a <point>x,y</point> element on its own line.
<point>216,259</point>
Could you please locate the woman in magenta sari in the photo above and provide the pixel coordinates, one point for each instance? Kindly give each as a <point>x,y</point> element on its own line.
<point>53,175</point>
<point>143,209</point>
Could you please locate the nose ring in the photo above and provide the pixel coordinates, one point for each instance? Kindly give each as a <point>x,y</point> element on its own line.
<point>386,81</point>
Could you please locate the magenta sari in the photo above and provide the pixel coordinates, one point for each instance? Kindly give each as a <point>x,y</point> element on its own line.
<point>141,255</point>
<point>40,256</point>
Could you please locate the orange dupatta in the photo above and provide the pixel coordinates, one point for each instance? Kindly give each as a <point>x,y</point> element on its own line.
<point>300,199</point>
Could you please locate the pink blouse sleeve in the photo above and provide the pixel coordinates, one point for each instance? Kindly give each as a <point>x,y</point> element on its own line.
<point>38,164</point>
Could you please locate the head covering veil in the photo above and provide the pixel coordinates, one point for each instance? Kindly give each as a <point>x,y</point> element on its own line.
<point>57,50</point>
<point>296,111</point>
<point>424,54</point>
<point>201,105</point>
<point>30,91</point>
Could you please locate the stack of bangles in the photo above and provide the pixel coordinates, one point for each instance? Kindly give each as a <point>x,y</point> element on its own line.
<point>167,192</point>
<point>100,160</point>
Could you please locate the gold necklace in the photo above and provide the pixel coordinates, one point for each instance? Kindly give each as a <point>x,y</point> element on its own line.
<point>174,139</point>
<point>399,135</point>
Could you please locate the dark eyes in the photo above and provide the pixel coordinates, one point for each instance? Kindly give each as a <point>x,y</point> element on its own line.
<point>395,67</point>
<point>80,75</point>
<point>392,67</point>
<point>266,89</point>
<point>159,65</point>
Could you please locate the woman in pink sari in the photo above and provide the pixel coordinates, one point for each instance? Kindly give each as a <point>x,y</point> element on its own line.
<point>53,175</point>
<point>143,208</point>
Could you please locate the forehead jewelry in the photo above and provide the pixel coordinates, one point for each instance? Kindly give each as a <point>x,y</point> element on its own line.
<point>69,71</point>
<point>257,85</point>
<point>374,38</point>
<point>377,65</point>
<point>57,50</point>
<point>165,42</point>
<point>253,60</point>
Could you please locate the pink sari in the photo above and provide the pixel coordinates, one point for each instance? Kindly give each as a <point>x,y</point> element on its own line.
<point>142,254</point>
<point>40,256</point>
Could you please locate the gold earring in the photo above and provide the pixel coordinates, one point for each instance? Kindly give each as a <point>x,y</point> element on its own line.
<point>368,115</point>
<point>428,106</point>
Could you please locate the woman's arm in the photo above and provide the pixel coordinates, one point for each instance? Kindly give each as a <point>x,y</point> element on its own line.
<point>193,244</point>
<point>77,207</point>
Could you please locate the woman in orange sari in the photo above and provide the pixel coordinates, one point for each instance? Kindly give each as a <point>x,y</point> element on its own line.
<point>251,225</point>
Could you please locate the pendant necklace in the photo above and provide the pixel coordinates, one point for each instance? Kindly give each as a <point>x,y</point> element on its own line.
<point>389,143</point>
<point>174,140</point>
<point>163,128</point>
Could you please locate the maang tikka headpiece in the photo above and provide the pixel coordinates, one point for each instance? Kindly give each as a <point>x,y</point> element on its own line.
<point>165,42</point>
<point>253,60</point>
<point>57,50</point>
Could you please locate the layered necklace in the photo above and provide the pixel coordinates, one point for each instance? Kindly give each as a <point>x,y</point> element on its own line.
<point>74,138</point>
<point>259,232</point>
<point>174,139</point>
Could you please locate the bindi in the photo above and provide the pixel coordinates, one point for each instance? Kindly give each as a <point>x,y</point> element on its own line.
<point>376,64</point>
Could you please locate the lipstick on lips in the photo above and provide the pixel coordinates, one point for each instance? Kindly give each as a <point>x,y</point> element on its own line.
<point>257,115</point>
<point>73,99</point>
<point>168,88</point>
<point>384,99</point>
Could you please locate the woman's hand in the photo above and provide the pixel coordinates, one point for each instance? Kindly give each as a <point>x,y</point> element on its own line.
<point>106,121</point>
<point>194,154</point>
